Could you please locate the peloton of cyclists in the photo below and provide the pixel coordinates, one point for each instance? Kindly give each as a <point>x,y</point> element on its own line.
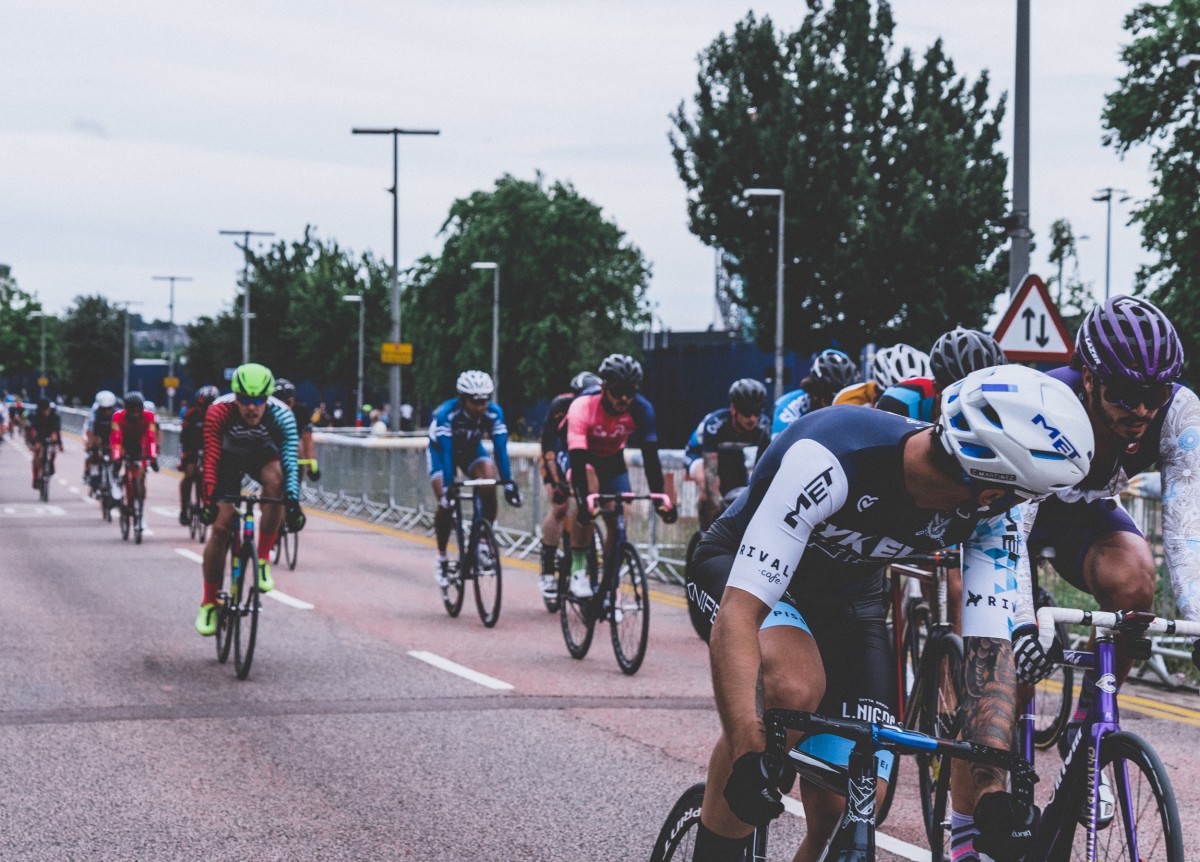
<point>456,443</point>
<point>44,430</point>
<point>889,366</point>
<point>831,372</point>
<point>795,568</point>
<point>97,428</point>
<point>133,442</point>
<point>714,459</point>
<point>600,423</point>
<point>246,433</point>
<point>554,477</point>
<point>954,355</point>
<point>285,391</point>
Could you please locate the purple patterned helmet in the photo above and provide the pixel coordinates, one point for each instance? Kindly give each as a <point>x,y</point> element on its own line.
<point>1130,338</point>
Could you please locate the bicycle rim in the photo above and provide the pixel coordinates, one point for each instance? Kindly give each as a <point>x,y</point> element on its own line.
<point>124,517</point>
<point>279,543</point>
<point>225,625</point>
<point>452,595</point>
<point>291,548</point>
<point>246,632</point>
<point>676,840</point>
<point>574,614</point>
<point>487,577</point>
<point>137,523</point>
<point>936,704</point>
<point>630,611</point>
<point>1145,826</point>
<point>1056,693</point>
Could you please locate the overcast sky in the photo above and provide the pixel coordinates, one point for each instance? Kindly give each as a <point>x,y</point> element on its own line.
<point>132,132</point>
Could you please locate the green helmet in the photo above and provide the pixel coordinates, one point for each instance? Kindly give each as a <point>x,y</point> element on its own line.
<point>253,380</point>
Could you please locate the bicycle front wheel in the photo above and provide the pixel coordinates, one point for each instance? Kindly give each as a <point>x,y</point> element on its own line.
<point>1145,823</point>
<point>246,632</point>
<point>291,548</point>
<point>279,543</point>
<point>487,575</point>
<point>630,612</point>
<point>138,524</point>
<point>1054,694</point>
<point>125,520</point>
<point>676,840</point>
<point>575,613</point>
<point>935,709</point>
<point>453,592</point>
<point>226,623</point>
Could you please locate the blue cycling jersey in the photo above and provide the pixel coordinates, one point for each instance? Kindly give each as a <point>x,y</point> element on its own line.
<point>456,439</point>
<point>790,407</point>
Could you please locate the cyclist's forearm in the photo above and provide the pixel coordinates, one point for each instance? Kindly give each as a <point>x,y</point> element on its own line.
<point>736,670</point>
<point>989,704</point>
<point>712,485</point>
<point>653,467</point>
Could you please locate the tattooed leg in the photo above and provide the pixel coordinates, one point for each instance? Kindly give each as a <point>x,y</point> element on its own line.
<point>989,714</point>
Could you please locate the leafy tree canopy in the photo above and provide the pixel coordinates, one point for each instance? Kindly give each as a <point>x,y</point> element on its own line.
<point>572,288</point>
<point>890,169</point>
<point>20,332</point>
<point>1156,104</point>
<point>92,345</point>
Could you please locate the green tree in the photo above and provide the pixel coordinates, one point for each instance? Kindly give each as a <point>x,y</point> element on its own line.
<point>891,173</point>
<point>1072,296</point>
<point>572,290</point>
<point>19,333</point>
<point>92,346</point>
<point>302,329</point>
<point>1156,104</point>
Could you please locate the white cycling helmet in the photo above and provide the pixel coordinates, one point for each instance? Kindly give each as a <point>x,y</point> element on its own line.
<point>149,407</point>
<point>899,362</point>
<point>1012,425</point>
<point>105,399</point>
<point>475,384</point>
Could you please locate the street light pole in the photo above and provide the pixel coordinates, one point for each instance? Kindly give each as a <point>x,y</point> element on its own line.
<point>779,193</point>
<point>495,268</point>
<point>42,374</point>
<point>171,335</point>
<point>1106,195</point>
<point>125,345</point>
<point>361,311</point>
<point>394,412</point>
<point>245,234</point>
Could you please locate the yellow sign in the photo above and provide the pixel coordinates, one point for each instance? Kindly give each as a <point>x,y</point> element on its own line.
<point>396,353</point>
<point>45,381</point>
<point>171,382</point>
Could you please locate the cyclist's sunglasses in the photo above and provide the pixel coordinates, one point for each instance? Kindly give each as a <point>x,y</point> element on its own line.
<point>250,401</point>
<point>483,400</point>
<point>1128,396</point>
<point>621,390</point>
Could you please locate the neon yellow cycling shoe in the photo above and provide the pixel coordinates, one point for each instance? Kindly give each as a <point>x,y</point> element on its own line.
<point>265,582</point>
<point>206,620</point>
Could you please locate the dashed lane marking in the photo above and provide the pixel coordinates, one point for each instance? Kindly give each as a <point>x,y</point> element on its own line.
<point>189,554</point>
<point>459,670</point>
<point>281,597</point>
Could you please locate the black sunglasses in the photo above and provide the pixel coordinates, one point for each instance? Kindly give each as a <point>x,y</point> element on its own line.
<point>475,400</point>
<point>622,390</point>
<point>251,401</point>
<point>1128,395</point>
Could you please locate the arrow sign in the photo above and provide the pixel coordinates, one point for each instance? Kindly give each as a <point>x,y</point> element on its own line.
<point>1032,330</point>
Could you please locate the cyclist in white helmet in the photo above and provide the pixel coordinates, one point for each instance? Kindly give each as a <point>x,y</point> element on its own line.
<point>890,366</point>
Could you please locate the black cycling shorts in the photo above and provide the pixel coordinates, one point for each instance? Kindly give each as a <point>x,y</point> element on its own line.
<point>1071,529</point>
<point>243,457</point>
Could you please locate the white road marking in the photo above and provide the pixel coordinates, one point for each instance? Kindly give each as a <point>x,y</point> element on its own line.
<point>882,841</point>
<point>457,669</point>
<point>74,489</point>
<point>26,510</point>
<point>290,601</point>
<point>166,512</point>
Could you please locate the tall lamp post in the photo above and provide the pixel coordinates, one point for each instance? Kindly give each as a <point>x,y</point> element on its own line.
<point>776,193</point>
<point>1105,195</point>
<point>361,310</point>
<point>125,344</point>
<point>245,235</point>
<point>171,336</point>
<point>42,374</point>
<point>495,268</point>
<point>394,412</point>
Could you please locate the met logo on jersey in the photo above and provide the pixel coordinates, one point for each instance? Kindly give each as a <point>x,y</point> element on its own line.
<point>1057,439</point>
<point>816,490</point>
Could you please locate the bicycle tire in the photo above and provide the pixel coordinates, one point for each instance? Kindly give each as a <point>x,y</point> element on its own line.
<point>676,840</point>
<point>124,520</point>
<point>227,615</point>
<point>575,615</point>
<point>1056,694</point>
<point>138,513</point>
<point>278,552</point>
<point>291,548</point>
<point>699,622</point>
<point>44,489</point>
<point>935,709</point>
<point>630,612</point>
<point>553,603</point>
<point>488,578</point>
<point>454,593</point>
<point>246,632</point>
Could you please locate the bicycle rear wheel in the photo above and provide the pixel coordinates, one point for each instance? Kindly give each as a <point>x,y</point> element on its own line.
<point>935,709</point>
<point>125,521</point>
<point>44,489</point>
<point>227,609</point>
<point>279,543</point>
<point>291,548</point>
<point>453,593</point>
<point>630,613</point>
<point>487,574</point>
<point>1056,693</point>
<point>246,632</point>
<point>138,524</point>
<point>1145,826</point>
<point>676,840</point>
<point>575,614</point>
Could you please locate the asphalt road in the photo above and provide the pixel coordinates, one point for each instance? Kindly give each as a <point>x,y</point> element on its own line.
<point>123,738</point>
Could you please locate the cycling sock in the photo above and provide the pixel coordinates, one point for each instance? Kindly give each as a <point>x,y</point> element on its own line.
<point>210,593</point>
<point>578,561</point>
<point>548,553</point>
<point>711,847</point>
<point>266,544</point>
<point>962,837</point>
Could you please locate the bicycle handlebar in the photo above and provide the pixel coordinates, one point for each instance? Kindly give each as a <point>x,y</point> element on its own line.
<point>593,499</point>
<point>1128,622</point>
<point>237,499</point>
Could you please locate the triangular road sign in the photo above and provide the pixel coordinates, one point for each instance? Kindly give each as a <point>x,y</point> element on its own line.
<point>1032,330</point>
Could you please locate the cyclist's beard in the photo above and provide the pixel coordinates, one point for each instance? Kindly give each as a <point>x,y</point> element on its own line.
<point>1122,432</point>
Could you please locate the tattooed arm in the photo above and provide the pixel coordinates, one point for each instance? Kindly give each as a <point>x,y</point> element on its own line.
<point>989,709</point>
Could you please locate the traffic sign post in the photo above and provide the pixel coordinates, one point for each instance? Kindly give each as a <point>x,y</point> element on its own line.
<point>1032,330</point>
<point>396,353</point>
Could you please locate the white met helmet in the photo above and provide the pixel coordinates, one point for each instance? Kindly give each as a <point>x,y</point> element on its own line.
<point>475,384</point>
<point>105,398</point>
<point>1011,425</point>
<point>899,362</point>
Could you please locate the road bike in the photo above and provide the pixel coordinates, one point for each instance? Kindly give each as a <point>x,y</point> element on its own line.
<point>288,546</point>
<point>239,606</point>
<point>104,485</point>
<point>854,839</point>
<point>620,594</point>
<point>477,558</point>
<point>45,471</point>
<point>133,499</point>
<point>197,529</point>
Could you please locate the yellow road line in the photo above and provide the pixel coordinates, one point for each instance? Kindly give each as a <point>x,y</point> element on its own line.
<point>1142,705</point>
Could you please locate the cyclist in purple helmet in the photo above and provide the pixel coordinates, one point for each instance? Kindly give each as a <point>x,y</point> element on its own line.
<point>1127,359</point>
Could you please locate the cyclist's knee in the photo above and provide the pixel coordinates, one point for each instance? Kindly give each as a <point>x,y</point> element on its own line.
<point>1121,573</point>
